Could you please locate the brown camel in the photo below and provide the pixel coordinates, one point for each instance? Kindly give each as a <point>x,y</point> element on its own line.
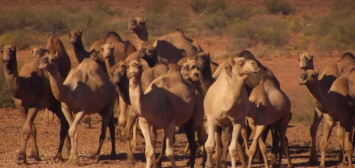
<point>270,107</point>
<point>336,105</point>
<point>226,103</point>
<point>31,92</point>
<point>79,50</point>
<point>326,79</point>
<point>56,47</point>
<point>122,48</point>
<point>168,102</point>
<point>138,26</point>
<point>86,90</point>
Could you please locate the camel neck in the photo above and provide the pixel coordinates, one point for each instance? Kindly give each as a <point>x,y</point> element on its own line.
<point>141,37</point>
<point>60,91</point>
<point>12,77</point>
<point>317,96</point>
<point>80,52</point>
<point>109,62</point>
<point>136,94</point>
<point>206,79</point>
<point>123,89</point>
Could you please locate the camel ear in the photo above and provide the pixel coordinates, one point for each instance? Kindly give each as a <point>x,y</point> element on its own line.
<point>231,61</point>
<point>219,70</point>
<point>312,56</point>
<point>228,68</point>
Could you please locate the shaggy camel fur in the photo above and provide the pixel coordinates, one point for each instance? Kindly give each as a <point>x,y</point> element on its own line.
<point>326,79</point>
<point>31,92</point>
<point>270,107</point>
<point>137,25</point>
<point>174,46</point>
<point>86,90</point>
<point>56,47</point>
<point>169,101</point>
<point>336,105</point>
<point>226,103</point>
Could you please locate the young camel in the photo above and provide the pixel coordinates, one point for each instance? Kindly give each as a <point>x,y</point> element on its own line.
<point>336,105</point>
<point>31,92</point>
<point>270,107</point>
<point>168,102</point>
<point>226,103</point>
<point>86,90</point>
<point>330,73</point>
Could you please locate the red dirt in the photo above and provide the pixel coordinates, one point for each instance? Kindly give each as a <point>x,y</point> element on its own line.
<point>284,65</point>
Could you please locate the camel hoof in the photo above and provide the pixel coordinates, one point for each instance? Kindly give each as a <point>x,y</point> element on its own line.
<point>273,160</point>
<point>290,166</point>
<point>96,157</point>
<point>21,158</point>
<point>57,158</point>
<point>73,160</point>
<point>131,162</point>
<point>344,163</point>
<point>34,155</point>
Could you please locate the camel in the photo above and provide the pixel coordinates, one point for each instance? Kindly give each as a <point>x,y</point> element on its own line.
<point>55,46</point>
<point>122,48</point>
<point>137,25</point>
<point>79,50</point>
<point>86,90</point>
<point>226,103</point>
<point>31,92</point>
<point>326,79</point>
<point>169,101</point>
<point>270,106</point>
<point>336,105</point>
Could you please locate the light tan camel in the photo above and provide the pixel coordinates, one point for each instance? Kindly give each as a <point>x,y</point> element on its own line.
<point>326,79</point>
<point>226,103</point>
<point>138,26</point>
<point>86,90</point>
<point>270,107</point>
<point>31,92</point>
<point>56,47</point>
<point>336,105</point>
<point>168,102</point>
<point>174,46</point>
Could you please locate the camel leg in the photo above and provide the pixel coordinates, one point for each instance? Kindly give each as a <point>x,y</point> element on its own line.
<point>69,117</point>
<point>190,135</point>
<point>233,145</point>
<point>317,118</point>
<point>111,126</point>
<point>63,133</point>
<point>259,130</point>
<point>169,133</point>
<point>219,146</point>
<point>340,134</point>
<point>349,142</point>
<point>226,141</point>
<point>244,134</point>
<point>134,136</point>
<point>262,146</point>
<point>282,128</point>
<point>26,133</point>
<point>122,119</point>
<point>149,148</point>
<point>34,151</point>
<point>240,151</point>
<point>328,126</point>
<point>275,145</point>
<point>210,143</point>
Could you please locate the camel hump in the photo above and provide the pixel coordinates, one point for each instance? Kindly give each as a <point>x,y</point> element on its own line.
<point>113,34</point>
<point>179,31</point>
<point>348,56</point>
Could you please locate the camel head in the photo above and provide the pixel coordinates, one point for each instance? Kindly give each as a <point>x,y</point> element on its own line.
<point>241,67</point>
<point>148,53</point>
<point>203,60</point>
<point>190,71</point>
<point>107,50</point>
<point>308,77</point>
<point>134,69</point>
<point>8,54</point>
<point>49,62</point>
<point>119,70</point>
<point>137,24</point>
<point>38,52</point>
<point>75,36</point>
<point>306,60</point>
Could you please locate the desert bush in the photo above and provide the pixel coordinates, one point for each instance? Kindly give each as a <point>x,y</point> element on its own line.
<point>277,6</point>
<point>6,100</point>
<point>215,6</point>
<point>264,31</point>
<point>198,6</point>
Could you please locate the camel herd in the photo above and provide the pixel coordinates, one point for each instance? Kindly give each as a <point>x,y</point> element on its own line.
<point>172,83</point>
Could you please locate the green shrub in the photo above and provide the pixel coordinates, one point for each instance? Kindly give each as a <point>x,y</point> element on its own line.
<point>6,100</point>
<point>215,6</point>
<point>277,6</point>
<point>265,31</point>
<point>198,6</point>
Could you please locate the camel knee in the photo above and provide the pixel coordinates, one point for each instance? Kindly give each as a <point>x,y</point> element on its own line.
<point>169,153</point>
<point>149,152</point>
<point>232,150</point>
